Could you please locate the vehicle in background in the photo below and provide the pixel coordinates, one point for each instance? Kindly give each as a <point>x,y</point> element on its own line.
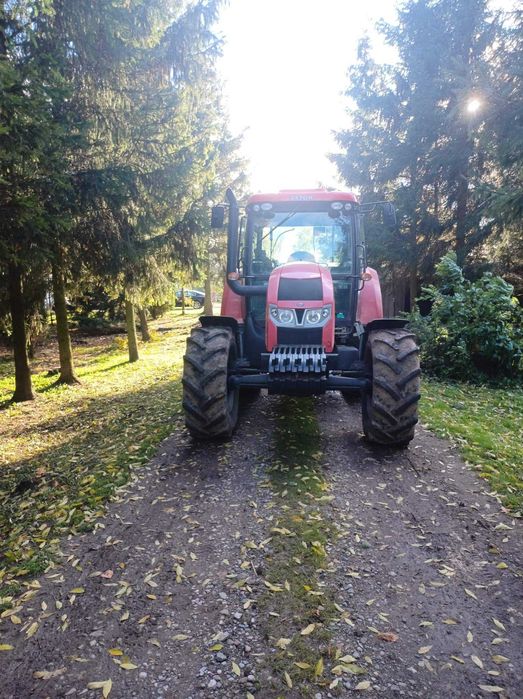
<point>193,298</point>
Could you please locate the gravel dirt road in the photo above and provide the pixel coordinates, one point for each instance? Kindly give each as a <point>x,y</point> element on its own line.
<point>417,593</point>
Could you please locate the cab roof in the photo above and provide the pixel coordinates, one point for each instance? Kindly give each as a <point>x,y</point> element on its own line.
<point>301,195</point>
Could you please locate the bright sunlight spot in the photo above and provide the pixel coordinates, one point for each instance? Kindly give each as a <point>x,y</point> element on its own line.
<point>284,66</point>
<point>473,105</point>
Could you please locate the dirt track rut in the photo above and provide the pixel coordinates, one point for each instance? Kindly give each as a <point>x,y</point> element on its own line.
<point>162,599</point>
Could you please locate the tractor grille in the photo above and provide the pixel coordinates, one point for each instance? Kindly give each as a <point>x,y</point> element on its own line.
<point>298,360</point>
<point>300,336</point>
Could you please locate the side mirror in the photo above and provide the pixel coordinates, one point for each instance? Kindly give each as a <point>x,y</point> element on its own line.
<point>389,215</point>
<point>217,216</point>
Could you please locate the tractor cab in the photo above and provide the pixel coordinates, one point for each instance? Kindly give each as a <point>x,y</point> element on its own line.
<point>290,231</point>
<point>301,314</point>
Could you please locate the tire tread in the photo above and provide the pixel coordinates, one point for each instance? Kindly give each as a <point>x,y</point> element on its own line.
<point>208,414</point>
<point>390,410</point>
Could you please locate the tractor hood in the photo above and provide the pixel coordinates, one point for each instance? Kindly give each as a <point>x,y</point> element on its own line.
<point>300,306</point>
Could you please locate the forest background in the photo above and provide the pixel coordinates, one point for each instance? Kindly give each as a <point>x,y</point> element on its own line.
<point>114,140</point>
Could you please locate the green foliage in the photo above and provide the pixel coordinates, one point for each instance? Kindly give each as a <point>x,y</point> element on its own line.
<point>112,141</point>
<point>455,176</point>
<point>474,329</point>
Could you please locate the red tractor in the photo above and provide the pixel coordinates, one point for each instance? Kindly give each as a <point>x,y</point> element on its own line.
<point>301,314</point>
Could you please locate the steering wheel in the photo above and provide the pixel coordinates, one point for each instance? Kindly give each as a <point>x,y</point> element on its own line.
<point>301,256</point>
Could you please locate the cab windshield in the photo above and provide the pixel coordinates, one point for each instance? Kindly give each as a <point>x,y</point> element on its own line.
<point>303,236</point>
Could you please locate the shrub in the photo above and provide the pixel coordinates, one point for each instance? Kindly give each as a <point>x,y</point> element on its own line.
<point>474,329</point>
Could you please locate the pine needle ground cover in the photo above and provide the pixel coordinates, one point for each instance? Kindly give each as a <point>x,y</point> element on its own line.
<point>487,424</point>
<point>64,454</point>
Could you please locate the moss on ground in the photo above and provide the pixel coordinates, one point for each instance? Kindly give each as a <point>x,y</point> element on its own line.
<point>300,599</point>
<point>487,425</point>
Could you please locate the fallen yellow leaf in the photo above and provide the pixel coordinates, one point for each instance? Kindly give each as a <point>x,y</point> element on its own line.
<point>283,642</point>
<point>500,659</point>
<point>365,684</point>
<point>318,670</point>
<point>105,686</point>
<point>491,688</point>
<point>32,629</point>
<point>477,661</point>
<point>48,674</point>
<point>128,665</point>
<point>236,669</point>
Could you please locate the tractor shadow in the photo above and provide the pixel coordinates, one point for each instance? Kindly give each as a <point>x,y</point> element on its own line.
<point>341,431</point>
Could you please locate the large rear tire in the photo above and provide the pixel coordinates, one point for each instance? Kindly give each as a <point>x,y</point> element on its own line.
<point>390,407</point>
<point>210,405</point>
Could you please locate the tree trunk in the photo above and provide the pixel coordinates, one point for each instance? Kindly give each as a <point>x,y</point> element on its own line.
<point>67,373</point>
<point>413,287</point>
<point>132,340</point>
<point>23,384</point>
<point>413,261</point>
<point>207,306</point>
<point>183,301</point>
<point>144,325</point>
<point>461,218</point>
<point>400,291</point>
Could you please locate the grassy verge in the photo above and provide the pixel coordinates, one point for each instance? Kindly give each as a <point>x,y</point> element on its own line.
<point>298,605</point>
<point>487,424</point>
<point>64,454</point>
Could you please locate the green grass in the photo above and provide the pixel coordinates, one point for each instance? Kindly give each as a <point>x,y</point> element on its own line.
<point>487,424</point>
<point>64,454</point>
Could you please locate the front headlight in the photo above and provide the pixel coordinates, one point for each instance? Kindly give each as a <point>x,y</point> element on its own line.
<point>317,316</point>
<point>286,316</point>
<point>282,316</point>
<point>313,317</point>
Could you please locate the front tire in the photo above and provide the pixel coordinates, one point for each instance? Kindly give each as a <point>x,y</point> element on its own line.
<point>210,405</point>
<point>390,407</point>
